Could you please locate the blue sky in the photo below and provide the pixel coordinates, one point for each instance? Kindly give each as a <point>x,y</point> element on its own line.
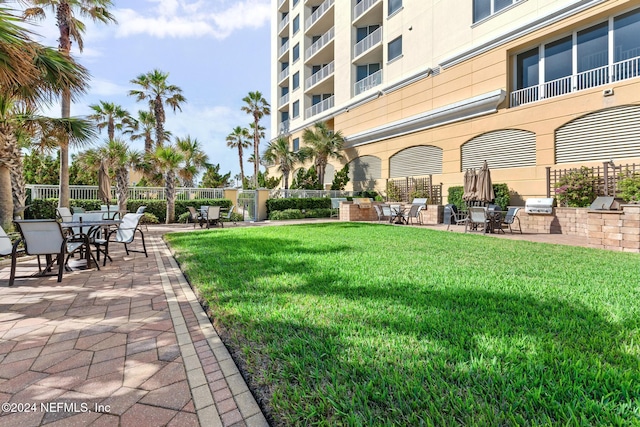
<point>217,51</point>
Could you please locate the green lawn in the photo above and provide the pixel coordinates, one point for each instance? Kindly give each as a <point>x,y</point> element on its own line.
<point>365,324</point>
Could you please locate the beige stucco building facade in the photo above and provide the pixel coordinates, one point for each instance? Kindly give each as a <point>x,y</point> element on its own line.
<point>434,87</point>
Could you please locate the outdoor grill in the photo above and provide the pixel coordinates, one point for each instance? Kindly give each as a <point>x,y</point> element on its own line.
<point>542,206</point>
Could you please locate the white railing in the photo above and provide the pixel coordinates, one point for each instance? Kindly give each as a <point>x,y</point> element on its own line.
<point>362,7</point>
<point>90,192</point>
<point>284,127</point>
<point>284,99</point>
<point>600,76</point>
<point>318,13</point>
<point>281,193</point>
<point>368,82</point>
<point>283,74</point>
<point>320,43</point>
<point>320,107</point>
<point>283,48</point>
<point>320,75</point>
<point>283,23</point>
<point>368,42</point>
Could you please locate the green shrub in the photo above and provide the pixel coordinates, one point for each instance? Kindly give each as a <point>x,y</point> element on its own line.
<point>318,213</point>
<point>576,188</point>
<point>629,186</point>
<point>149,218</point>
<point>286,214</point>
<point>501,192</point>
<point>297,203</point>
<point>454,196</point>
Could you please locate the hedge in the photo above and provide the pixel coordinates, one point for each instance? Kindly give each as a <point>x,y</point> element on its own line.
<point>46,208</point>
<point>501,191</point>
<point>297,203</point>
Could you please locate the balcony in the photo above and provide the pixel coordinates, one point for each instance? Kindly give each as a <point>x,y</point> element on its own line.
<point>368,82</point>
<point>317,16</point>
<point>282,4</point>
<point>284,48</point>
<point>367,43</point>
<point>284,23</point>
<point>283,101</point>
<point>319,76</point>
<point>618,71</point>
<point>283,74</point>
<point>365,7</point>
<point>319,107</point>
<point>320,44</point>
<point>283,128</point>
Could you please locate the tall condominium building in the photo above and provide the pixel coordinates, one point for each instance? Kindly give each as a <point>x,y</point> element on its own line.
<point>435,87</point>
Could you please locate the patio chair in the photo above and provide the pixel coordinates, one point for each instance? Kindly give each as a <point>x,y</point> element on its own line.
<point>194,216</point>
<point>64,214</point>
<point>414,213</point>
<point>458,217</point>
<point>478,219</point>
<point>9,248</point>
<point>46,237</point>
<point>510,219</point>
<point>212,216</point>
<point>335,205</point>
<point>124,234</point>
<point>383,212</point>
<point>228,217</point>
<point>141,209</point>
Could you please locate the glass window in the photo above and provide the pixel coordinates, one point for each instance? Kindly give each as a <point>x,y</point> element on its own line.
<point>284,66</point>
<point>626,36</point>
<point>557,59</point>
<point>481,9</point>
<point>284,41</point>
<point>295,80</point>
<point>284,91</point>
<point>394,5</point>
<point>593,47</point>
<point>295,2</point>
<point>296,52</point>
<point>364,71</point>
<point>296,144</point>
<point>527,74</point>
<point>296,109</point>
<point>296,24</point>
<point>395,48</point>
<point>363,32</point>
<point>498,5</point>
<point>284,116</point>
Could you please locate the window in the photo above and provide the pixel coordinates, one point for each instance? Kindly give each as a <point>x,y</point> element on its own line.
<point>394,5</point>
<point>316,99</point>
<point>295,2</point>
<point>296,144</point>
<point>363,32</point>
<point>284,66</point>
<point>364,71</point>
<point>485,8</point>
<point>295,83</point>
<point>296,52</point>
<point>284,91</point>
<point>527,64</point>
<point>395,49</point>
<point>284,41</point>
<point>296,24</point>
<point>284,116</point>
<point>626,42</point>
<point>296,109</point>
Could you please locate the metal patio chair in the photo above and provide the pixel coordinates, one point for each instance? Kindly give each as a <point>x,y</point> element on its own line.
<point>124,234</point>
<point>510,219</point>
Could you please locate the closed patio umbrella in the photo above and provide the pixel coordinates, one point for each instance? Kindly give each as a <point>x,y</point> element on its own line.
<point>469,186</point>
<point>484,186</point>
<point>104,185</point>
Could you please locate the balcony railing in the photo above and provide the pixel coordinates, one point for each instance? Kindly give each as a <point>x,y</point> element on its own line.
<point>283,74</point>
<point>362,7</point>
<point>368,82</point>
<point>320,43</point>
<point>283,23</point>
<point>318,13</point>
<point>283,128</point>
<point>622,70</point>
<point>283,48</point>
<point>368,42</point>
<point>320,107</point>
<point>320,75</point>
<point>284,99</point>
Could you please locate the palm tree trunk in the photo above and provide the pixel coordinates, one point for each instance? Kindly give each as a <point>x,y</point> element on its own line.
<point>256,155</point>
<point>158,112</point>
<point>241,166</point>
<point>170,188</point>
<point>122,188</point>
<point>18,187</point>
<point>6,196</point>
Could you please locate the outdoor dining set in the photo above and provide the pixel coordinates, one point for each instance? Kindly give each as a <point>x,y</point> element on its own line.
<point>210,215</point>
<point>60,239</point>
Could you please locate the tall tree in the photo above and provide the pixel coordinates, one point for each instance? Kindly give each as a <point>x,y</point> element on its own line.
<point>111,116</point>
<point>212,177</point>
<point>257,107</point>
<point>70,28</point>
<point>322,144</point>
<point>155,89</point>
<point>195,159</point>
<point>120,159</point>
<point>279,153</point>
<point>169,160</point>
<point>142,128</point>
<point>239,138</point>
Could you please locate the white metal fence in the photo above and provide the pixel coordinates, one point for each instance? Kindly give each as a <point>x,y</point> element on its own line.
<point>280,193</point>
<point>90,192</point>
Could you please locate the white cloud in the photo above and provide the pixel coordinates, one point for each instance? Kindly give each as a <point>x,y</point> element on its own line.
<point>183,19</point>
<point>103,87</point>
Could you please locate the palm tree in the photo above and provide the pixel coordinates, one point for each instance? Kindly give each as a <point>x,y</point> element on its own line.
<point>239,138</point>
<point>120,159</point>
<point>322,144</point>
<point>278,152</point>
<point>156,90</point>
<point>258,107</point>
<point>195,159</point>
<point>142,128</point>
<point>70,28</point>
<point>111,116</point>
<point>169,160</point>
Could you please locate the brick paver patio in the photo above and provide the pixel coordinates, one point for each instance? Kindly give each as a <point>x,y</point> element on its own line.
<point>128,345</point>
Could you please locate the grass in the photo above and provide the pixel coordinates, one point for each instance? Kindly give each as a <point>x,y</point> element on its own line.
<point>364,324</point>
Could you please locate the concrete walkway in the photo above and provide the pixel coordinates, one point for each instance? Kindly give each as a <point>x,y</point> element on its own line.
<point>128,345</point>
